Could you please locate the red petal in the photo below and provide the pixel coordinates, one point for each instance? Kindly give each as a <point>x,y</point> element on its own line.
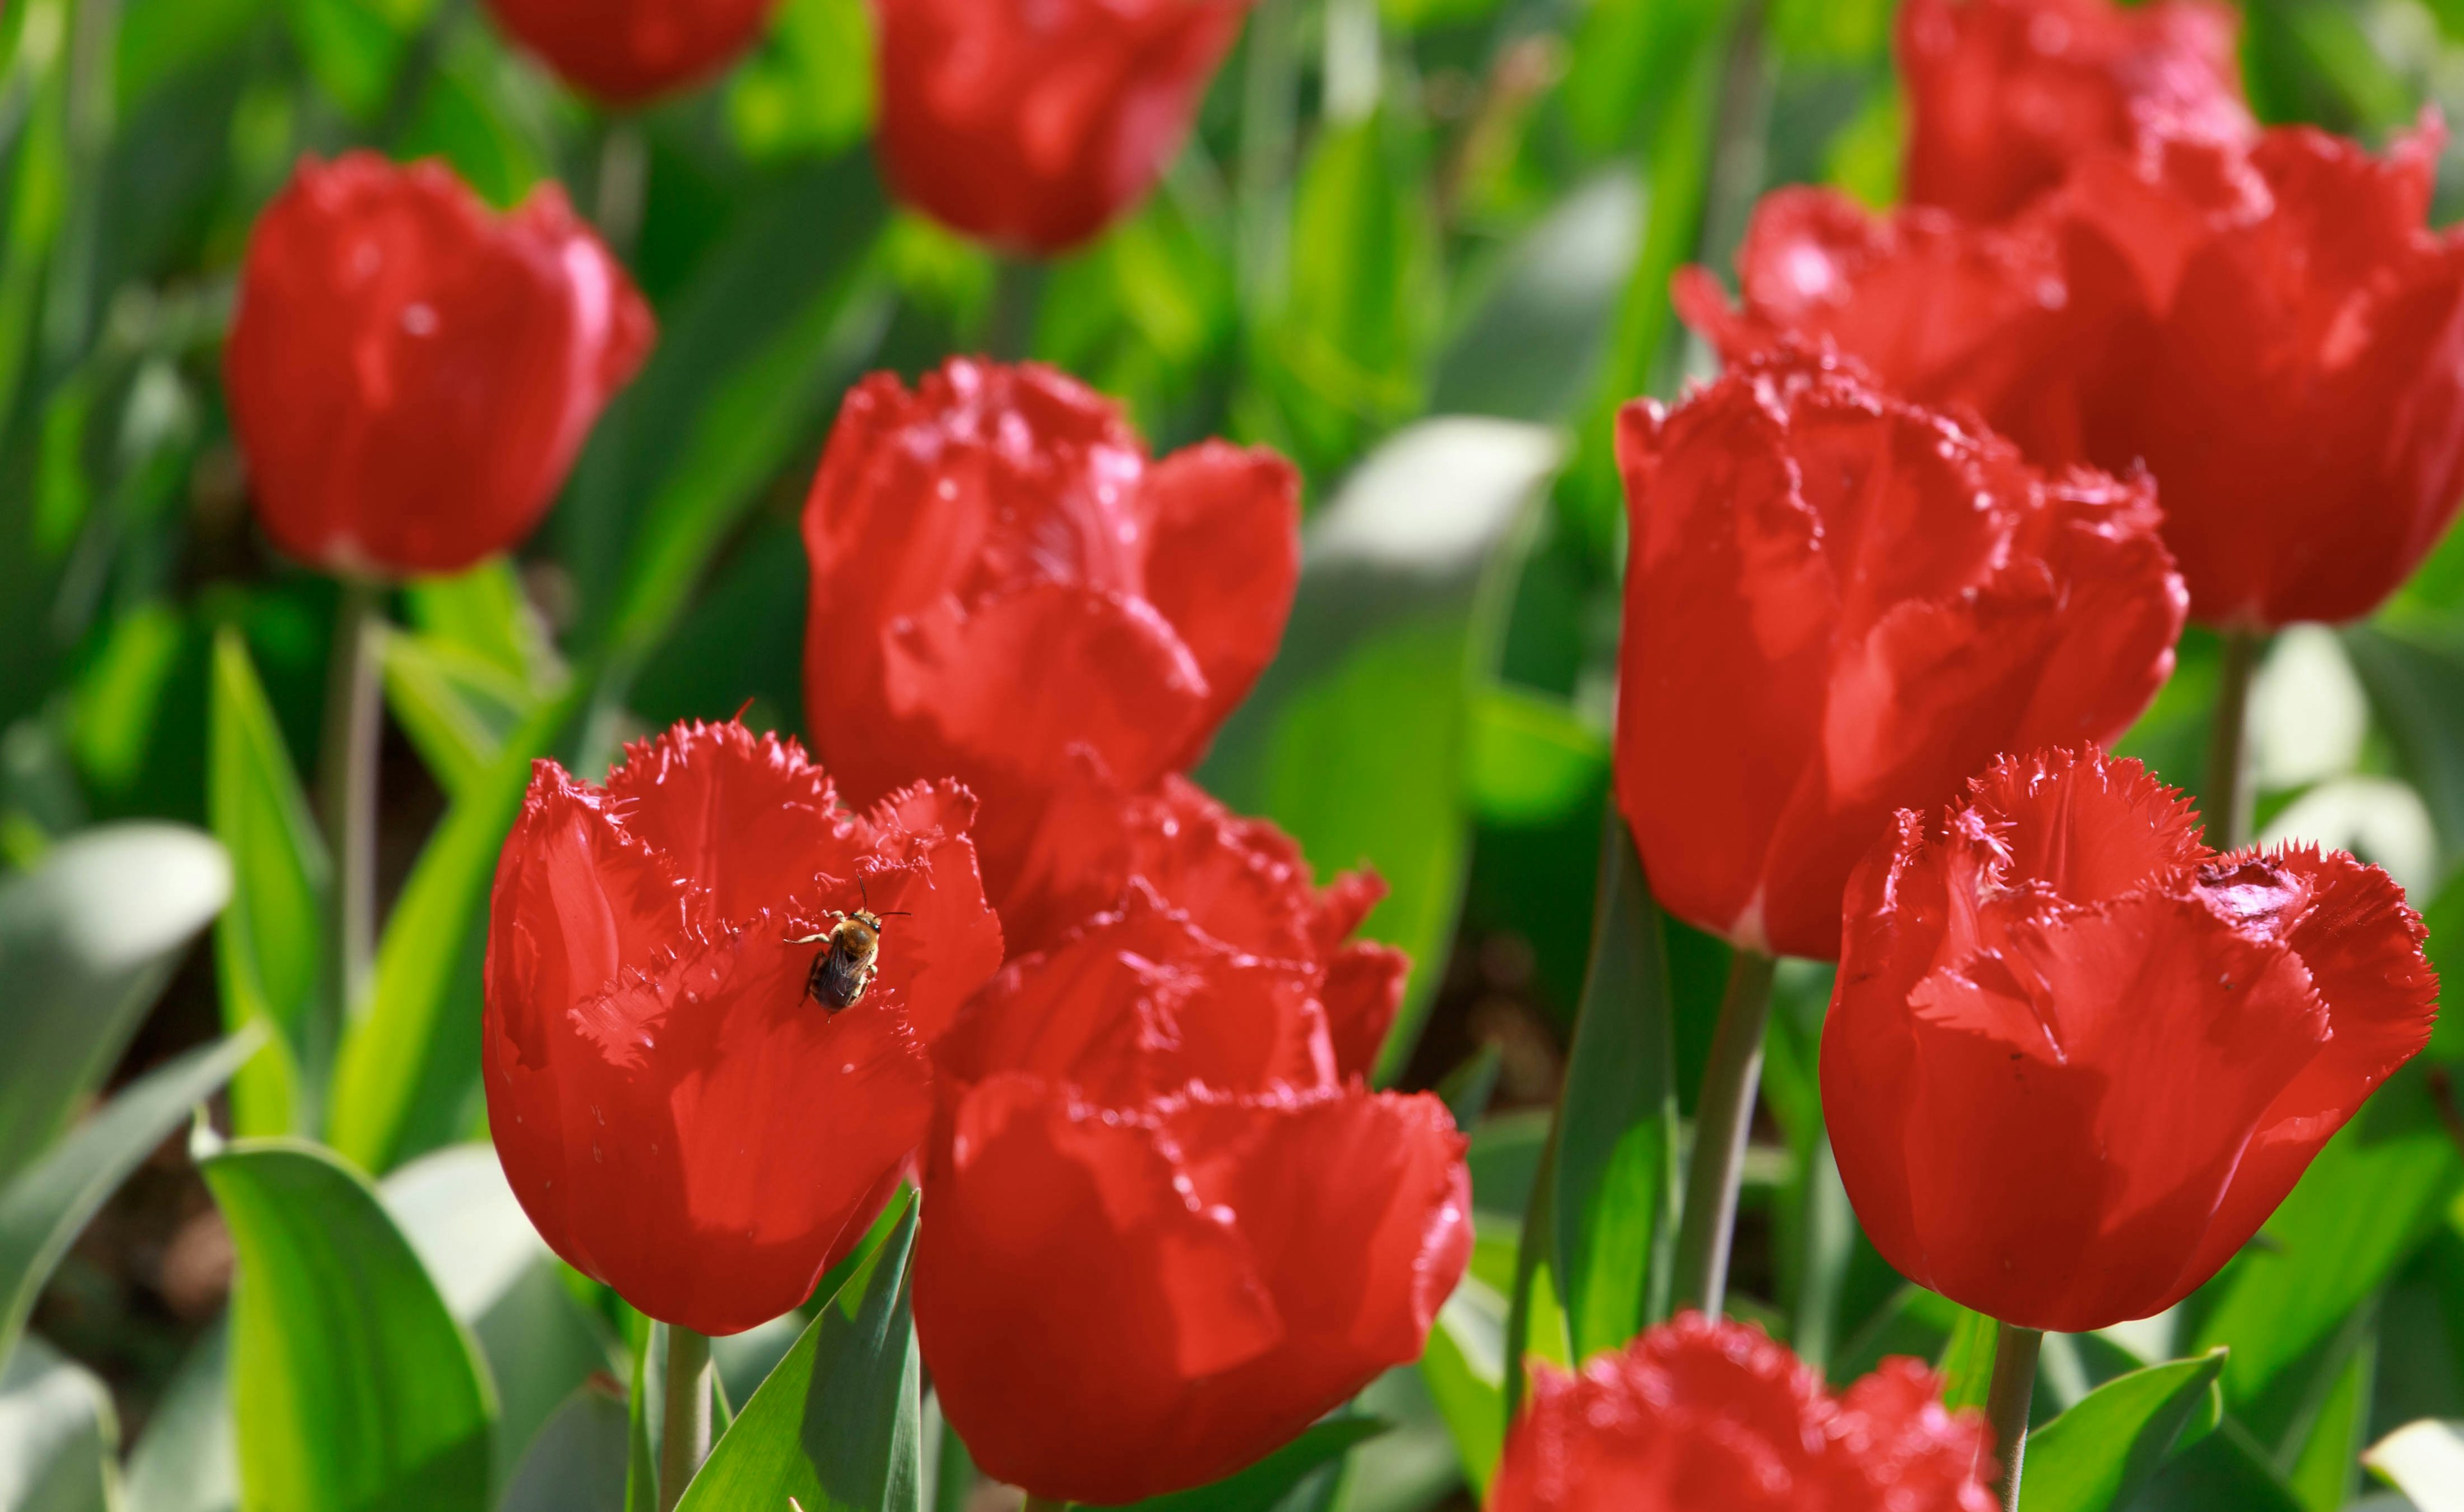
<point>1072,1295</point>
<point>627,52</point>
<point>1364,989</point>
<point>740,816</point>
<point>1223,562</point>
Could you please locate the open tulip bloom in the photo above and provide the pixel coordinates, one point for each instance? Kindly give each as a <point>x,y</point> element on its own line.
<point>2076,1057</point>
<point>1007,589</point>
<point>1167,1226</point>
<point>1698,1415</point>
<point>629,52</point>
<point>681,1117</point>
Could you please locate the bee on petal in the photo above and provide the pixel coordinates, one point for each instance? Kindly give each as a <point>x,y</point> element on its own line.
<point>844,968</point>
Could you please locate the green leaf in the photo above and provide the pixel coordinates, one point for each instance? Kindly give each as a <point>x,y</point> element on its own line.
<point>1966,1363</point>
<point>1464,1367</point>
<point>352,1384</point>
<point>2322,1474</point>
<point>1615,1204</point>
<point>1533,759</point>
<point>2367,1203</point>
<point>270,948</point>
<point>2098,1454</point>
<point>46,1206</point>
<point>2425,1460</point>
<point>836,1425</point>
<point>353,46</point>
<point>1532,348</point>
<point>457,706</point>
<point>1357,738</point>
<point>1263,1485</point>
<point>2224,1471</point>
<point>2413,667</point>
<point>577,1462</point>
<point>499,1280</point>
<point>808,88</point>
<point>189,1461</point>
<point>408,1066</point>
<point>87,940</point>
<point>60,1436</point>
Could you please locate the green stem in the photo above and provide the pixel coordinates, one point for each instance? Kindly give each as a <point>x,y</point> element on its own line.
<point>1723,1116</point>
<point>91,112</point>
<point>1044,1504</point>
<point>346,786</point>
<point>1269,112</point>
<point>2006,1409</point>
<point>684,1424</point>
<point>622,187</point>
<point>1009,327</point>
<point>2232,795</point>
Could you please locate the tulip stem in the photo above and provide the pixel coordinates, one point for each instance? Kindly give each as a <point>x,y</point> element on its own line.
<point>2006,1409</point>
<point>1036,1503</point>
<point>623,187</point>
<point>1722,1117</point>
<point>1009,326</point>
<point>2232,795</point>
<point>684,1424</point>
<point>347,785</point>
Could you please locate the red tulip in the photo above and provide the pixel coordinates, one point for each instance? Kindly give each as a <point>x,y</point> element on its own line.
<point>1943,311</point>
<point>1839,604</point>
<point>2004,95</point>
<point>1246,884</point>
<point>1166,1232</point>
<point>410,374</point>
<point>1033,123</point>
<point>681,1117</point>
<point>1696,1415</point>
<point>625,52</point>
<point>2074,1057</point>
<point>2287,356</point>
<point>1007,588</point>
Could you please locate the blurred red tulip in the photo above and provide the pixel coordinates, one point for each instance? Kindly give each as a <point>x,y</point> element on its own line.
<point>410,374</point>
<point>1166,1232</point>
<point>1839,604</point>
<point>1695,1416</point>
<point>2285,351</point>
<point>1943,311</point>
<point>2004,95</point>
<point>1007,588</point>
<point>625,52</point>
<point>679,1117</point>
<point>2074,1057</point>
<point>1032,124</point>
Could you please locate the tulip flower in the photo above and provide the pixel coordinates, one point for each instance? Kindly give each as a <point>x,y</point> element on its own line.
<point>2286,354</point>
<point>1033,123</point>
<point>2004,95</point>
<point>1696,1415</point>
<point>628,52</point>
<point>410,374</point>
<point>1007,588</point>
<point>1166,1232</point>
<point>1839,604</point>
<point>2074,1057</point>
<point>679,1112</point>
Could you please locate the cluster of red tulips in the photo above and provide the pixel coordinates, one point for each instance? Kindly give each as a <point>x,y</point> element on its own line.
<point>1895,577</point>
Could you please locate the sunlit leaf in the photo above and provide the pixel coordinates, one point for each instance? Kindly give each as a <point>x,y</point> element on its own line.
<point>2094,1456</point>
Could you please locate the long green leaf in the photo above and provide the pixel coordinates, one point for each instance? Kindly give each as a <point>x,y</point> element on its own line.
<point>48,1205</point>
<point>353,1388</point>
<point>837,1425</point>
<point>87,940</point>
<point>2425,1460</point>
<point>189,1461</point>
<point>60,1436</point>
<point>2367,1203</point>
<point>270,944</point>
<point>407,1066</point>
<point>2093,1458</point>
<point>577,1462</point>
<point>2224,1471</point>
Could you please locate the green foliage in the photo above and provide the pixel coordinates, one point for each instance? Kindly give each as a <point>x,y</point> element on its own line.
<point>2100,1451</point>
<point>352,1384</point>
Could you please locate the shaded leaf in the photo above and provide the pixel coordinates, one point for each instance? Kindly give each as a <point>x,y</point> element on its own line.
<point>2100,1453</point>
<point>351,1384</point>
<point>1263,1485</point>
<point>60,1436</point>
<point>577,1462</point>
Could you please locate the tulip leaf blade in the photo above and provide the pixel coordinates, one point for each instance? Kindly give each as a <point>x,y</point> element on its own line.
<point>408,1063</point>
<point>1262,1486</point>
<point>87,940</point>
<point>2371,1197</point>
<point>2223,1472</point>
<point>2425,1460</point>
<point>45,1207</point>
<point>2095,1456</point>
<point>351,1384</point>
<point>577,1463</point>
<point>270,945</point>
<point>64,1434</point>
<point>838,1425</point>
<point>1967,1364</point>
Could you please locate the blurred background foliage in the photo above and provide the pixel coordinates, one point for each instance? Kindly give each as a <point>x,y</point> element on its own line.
<point>1422,247</point>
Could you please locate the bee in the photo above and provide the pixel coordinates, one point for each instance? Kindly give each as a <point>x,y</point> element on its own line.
<point>842,970</point>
